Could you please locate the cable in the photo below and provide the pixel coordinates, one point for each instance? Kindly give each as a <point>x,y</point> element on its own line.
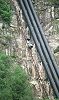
<point>42,44</point>
<point>39,48</point>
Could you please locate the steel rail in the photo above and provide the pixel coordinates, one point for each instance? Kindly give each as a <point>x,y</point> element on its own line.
<point>43,37</point>
<point>39,48</point>
<point>42,44</point>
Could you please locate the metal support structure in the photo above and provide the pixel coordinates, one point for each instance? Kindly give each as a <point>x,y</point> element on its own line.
<point>41,44</point>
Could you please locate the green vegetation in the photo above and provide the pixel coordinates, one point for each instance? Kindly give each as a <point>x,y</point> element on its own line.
<point>56,50</point>
<point>5,11</point>
<point>48,99</point>
<point>55,2</point>
<point>55,21</point>
<point>14,83</point>
<point>55,24</point>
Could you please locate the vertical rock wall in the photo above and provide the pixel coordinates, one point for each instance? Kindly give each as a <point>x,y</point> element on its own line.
<point>28,57</point>
<point>21,45</point>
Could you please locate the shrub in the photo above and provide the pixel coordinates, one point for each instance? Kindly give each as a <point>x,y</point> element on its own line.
<point>14,83</point>
<point>5,11</point>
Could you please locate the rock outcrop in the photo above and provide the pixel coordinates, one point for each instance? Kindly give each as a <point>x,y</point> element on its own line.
<point>22,46</point>
<point>29,59</point>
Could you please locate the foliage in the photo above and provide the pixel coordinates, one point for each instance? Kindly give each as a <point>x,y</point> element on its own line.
<point>14,83</point>
<point>20,88</point>
<point>5,11</point>
<point>55,2</point>
<point>53,99</point>
<point>5,89</point>
<point>56,50</point>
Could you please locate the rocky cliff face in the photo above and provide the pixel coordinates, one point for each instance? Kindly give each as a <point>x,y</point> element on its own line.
<point>22,46</point>
<point>28,57</point>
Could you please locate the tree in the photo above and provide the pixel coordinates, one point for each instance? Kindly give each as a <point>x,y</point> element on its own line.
<point>5,11</point>
<point>14,83</point>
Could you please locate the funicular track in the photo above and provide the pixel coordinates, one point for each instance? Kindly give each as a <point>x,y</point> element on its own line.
<point>41,44</point>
